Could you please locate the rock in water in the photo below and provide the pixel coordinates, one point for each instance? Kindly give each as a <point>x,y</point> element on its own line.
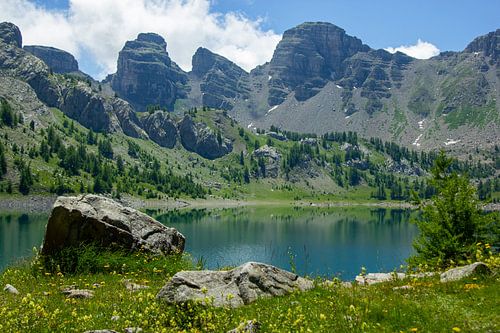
<point>458,273</point>
<point>239,286</point>
<point>97,219</point>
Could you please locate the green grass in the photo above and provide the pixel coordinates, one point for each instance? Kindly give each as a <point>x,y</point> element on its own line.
<point>466,306</point>
<point>479,116</point>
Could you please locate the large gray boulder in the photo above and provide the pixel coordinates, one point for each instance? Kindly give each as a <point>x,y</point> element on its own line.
<point>97,219</point>
<point>458,273</point>
<point>239,286</point>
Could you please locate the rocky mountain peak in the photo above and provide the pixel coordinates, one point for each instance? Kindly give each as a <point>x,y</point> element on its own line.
<point>146,75</point>
<point>151,37</point>
<point>489,44</point>
<point>307,57</point>
<point>58,60</point>
<point>10,34</point>
<point>221,80</point>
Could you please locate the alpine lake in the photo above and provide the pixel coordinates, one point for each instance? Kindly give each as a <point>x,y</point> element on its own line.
<point>326,242</point>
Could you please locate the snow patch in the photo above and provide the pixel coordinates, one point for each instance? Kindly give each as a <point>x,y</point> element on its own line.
<point>269,78</point>
<point>347,117</point>
<point>451,142</point>
<point>338,86</point>
<point>271,109</point>
<point>416,142</point>
<point>250,125</point>
<point>421,124</point>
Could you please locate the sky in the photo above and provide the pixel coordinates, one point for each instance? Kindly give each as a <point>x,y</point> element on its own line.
<point>244,31</point>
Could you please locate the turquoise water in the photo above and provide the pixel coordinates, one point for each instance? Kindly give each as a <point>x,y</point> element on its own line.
<point>325,242</point>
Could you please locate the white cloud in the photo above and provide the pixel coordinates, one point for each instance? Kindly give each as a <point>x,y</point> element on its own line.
<point>101,27</point>
<point>421,50</point>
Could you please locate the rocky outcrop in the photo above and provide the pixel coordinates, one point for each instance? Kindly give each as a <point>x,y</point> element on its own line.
<point>59,61</point>
<point>127,118</point>
<point>161,128</point>
<point>488,44</point>
<point>307,57</point>
<point>146,75</point>
<point>17,63</point>
<point>271,159</point>
<point>10,34</point>
<point>89,109</point>
<point>201,139</point>
<point>100,220</point>
<point>221,81</point>
<point>239,286</point>
<point>463,272</point>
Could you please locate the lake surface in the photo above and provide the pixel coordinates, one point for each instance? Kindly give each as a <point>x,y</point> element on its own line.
<point>326,242</point>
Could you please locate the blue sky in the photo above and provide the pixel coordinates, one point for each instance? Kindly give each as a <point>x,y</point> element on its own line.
<point>447,24</point>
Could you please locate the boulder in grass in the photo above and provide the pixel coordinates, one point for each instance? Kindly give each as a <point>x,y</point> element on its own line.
<point>239,286</point>
<point>99,220</point>
<point>458,273</point>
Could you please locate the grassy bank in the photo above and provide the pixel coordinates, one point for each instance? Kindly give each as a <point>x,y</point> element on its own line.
<point>429,306</point>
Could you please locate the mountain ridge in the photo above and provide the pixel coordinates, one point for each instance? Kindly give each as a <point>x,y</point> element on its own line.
<point>320,79</point>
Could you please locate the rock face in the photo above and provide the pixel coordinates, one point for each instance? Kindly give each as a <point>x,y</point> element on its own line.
<point>161,129</point>
<point>199,138</point>
<point>146,75</point>
<point>459,273</point>
<point>222,81</point>
<point>272,161</point>
<point>240,286</point>
<point>307,57</point>
<point>10,34</point>
<point>96,219</point>
<point>488,44</point>
<point>58,60</point>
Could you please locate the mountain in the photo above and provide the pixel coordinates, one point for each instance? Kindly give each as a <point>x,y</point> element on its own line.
<point>58,60</point>
<point>146,76</point>
<point>319,80</point>
<point>64,132</point>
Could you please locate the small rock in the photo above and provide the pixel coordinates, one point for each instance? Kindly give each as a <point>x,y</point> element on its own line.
<point>11,289</point>
<point>346,284</point>
<point>78,293</point>
<point>133,286</point>
<point>405,287</point>
<point>458,273</point>
<point>250,326</point>
<point>373,278</point>
<point>133,330</point>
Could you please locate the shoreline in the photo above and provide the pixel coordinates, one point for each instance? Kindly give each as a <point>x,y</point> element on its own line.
<point>43,203</point>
